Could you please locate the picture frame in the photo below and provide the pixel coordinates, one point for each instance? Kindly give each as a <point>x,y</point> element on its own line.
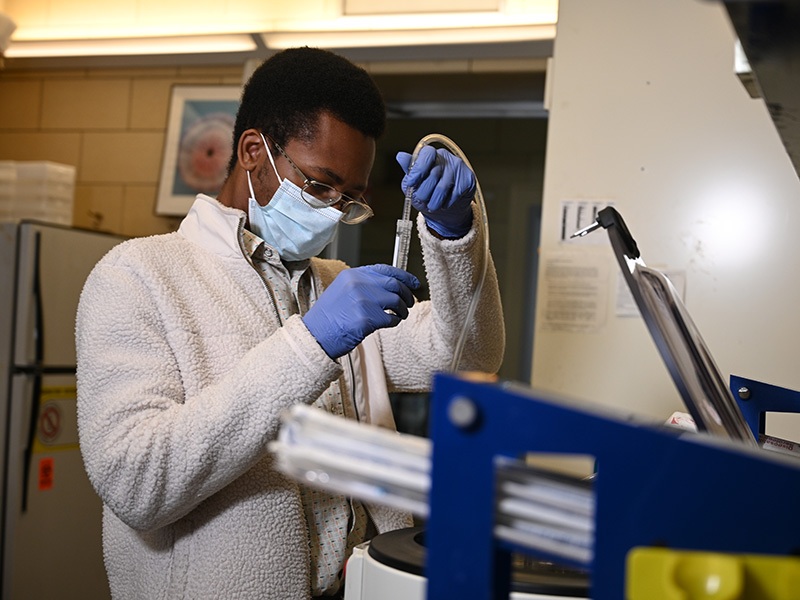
<point>198,145</point>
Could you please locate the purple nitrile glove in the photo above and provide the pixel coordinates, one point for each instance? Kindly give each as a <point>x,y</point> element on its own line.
<point>356,304</point>
<point>444,187</point>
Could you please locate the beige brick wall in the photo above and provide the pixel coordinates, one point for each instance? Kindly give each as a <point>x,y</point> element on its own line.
<point>110,124</point>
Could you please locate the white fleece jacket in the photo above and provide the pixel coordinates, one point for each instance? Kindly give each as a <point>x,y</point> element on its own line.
<point>183,371</point>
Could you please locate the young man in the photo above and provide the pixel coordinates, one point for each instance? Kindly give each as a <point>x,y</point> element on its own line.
<point>191,344</point>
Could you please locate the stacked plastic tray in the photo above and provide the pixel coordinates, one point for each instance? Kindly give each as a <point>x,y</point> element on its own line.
<point>37,190</point>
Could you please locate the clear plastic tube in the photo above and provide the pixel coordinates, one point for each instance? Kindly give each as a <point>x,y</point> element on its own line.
<point>404,226</point>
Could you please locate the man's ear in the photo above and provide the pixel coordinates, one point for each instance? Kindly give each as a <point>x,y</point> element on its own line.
<point>250,150</point>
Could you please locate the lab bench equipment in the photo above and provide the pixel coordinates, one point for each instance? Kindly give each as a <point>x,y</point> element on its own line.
<point>656,489</point>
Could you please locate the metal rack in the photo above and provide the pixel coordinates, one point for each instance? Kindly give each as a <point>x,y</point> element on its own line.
<point>656,487</point>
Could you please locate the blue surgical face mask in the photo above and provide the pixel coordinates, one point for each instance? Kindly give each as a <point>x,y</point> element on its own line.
<point>288,224</point>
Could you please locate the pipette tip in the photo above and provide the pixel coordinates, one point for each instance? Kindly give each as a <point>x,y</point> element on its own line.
<point>585,230</point>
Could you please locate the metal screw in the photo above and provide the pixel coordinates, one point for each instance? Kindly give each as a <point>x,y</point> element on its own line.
<point>462,412</point>
<point>744,393</point>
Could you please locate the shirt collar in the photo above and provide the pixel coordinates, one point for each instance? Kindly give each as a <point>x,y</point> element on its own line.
<point>253,245</point>
<point>258,249</point>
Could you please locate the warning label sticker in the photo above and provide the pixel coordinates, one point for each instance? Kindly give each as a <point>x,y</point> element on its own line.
<point>50,423</point>
<point>57,426</point>
<point>46,469</point>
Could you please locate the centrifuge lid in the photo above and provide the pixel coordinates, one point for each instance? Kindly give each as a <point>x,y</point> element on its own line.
<point>404,549</point>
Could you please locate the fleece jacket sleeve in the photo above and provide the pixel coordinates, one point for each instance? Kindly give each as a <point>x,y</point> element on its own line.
<point>426,341</point>
<point>152,452</point>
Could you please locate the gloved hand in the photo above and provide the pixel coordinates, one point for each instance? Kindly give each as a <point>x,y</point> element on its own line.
<point>443,190</point>
<point>355,305</point>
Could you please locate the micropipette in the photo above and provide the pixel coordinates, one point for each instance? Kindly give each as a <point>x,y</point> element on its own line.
<point>402,237</point>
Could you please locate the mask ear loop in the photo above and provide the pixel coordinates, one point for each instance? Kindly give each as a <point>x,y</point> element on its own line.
<point>269,156</point>
<point>250,185</point>
<point>271,161</point>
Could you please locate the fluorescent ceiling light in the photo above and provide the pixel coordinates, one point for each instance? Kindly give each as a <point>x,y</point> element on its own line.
<point>419,37</point>
<point>448,20</point>
<point>190,44</point>
<point>343,32</point>
<point>415,30</point>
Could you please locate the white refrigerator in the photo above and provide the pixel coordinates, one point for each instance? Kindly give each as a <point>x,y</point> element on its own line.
<point>51,517</point>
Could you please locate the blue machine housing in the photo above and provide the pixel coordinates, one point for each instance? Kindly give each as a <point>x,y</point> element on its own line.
<point>756,399</point>
<point>656,486</point>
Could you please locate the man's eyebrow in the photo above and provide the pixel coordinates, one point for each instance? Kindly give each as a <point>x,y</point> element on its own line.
<point>336,178</point>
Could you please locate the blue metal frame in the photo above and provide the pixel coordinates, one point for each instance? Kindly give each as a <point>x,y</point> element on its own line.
<point>656,486</point>
<point>761,398</point>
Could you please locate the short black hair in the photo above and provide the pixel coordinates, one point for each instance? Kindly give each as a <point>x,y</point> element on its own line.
<point>290,90</point>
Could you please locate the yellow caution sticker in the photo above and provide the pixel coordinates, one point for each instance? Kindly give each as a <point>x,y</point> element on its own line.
<point>57,425</point>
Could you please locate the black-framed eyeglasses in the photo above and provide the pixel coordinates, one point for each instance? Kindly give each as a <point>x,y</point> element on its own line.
<point>321,195</point>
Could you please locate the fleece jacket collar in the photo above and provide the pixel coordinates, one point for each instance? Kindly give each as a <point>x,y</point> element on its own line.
<point>214,226</point>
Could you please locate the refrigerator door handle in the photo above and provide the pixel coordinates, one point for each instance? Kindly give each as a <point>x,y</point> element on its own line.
<point>37,372</point>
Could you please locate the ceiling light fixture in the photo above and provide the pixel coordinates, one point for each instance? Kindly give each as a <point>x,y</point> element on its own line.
<point>189,44</point>
<point>418,37</point>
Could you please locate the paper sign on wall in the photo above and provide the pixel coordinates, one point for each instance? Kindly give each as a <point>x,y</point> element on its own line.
<point>626,305</point>
<point>575,292</point>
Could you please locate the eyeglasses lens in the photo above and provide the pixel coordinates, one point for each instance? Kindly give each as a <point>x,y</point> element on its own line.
<point>320,195</point>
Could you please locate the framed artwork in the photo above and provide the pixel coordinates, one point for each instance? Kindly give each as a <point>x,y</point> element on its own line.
<point>198,145</point>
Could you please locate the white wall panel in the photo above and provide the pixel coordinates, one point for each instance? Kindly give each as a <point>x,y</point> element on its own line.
<point>646,111</point>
